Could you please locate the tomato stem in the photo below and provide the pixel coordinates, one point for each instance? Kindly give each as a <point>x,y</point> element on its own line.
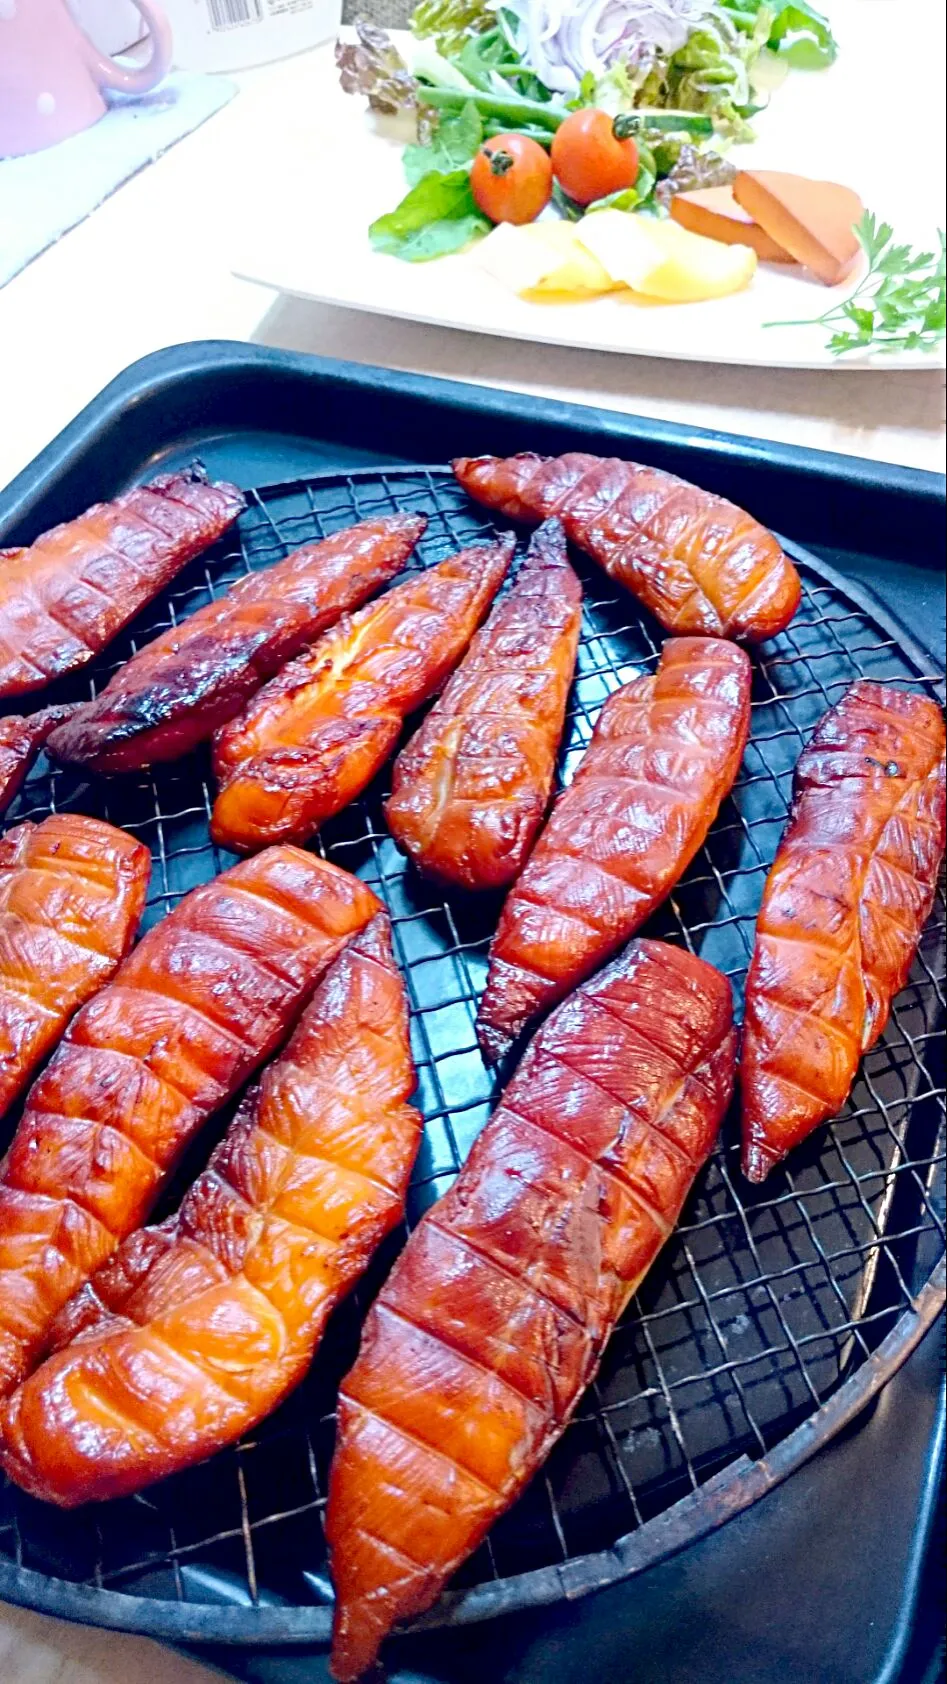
<point>625,125</point>
<point>500,161</point>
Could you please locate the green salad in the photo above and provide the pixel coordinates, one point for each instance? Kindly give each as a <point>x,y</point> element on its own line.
<point>690,74</point>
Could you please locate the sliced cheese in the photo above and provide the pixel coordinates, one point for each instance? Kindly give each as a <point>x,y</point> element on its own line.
<point>813,220</point>
<point>661,260</point>
<point>714,212</point>
<point>542,257</point>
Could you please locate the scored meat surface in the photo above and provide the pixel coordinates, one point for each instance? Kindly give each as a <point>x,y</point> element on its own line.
<point>495,1317</point>
<point>700,564</point>
<point>665,751</point>
<point>470,790</point>
<point>72,892</point>
<point>193,1331</point>
<point>66,595</point>
<point>843,909</point>
<point>202,1000</point>
<point>176,691</point>
<point>311,739</point>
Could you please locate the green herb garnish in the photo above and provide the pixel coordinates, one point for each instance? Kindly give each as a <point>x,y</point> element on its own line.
<point>899,305</point>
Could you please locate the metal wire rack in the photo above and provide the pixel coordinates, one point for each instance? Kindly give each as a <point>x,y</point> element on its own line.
<point>772,1314</point>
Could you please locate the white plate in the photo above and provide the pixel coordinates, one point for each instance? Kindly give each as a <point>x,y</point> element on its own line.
<point>312,186</point>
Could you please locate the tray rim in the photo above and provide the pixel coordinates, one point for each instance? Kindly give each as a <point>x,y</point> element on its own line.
<point>164,369</point>
<point>746,1479</point>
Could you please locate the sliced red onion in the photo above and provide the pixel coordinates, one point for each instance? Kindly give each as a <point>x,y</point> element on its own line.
<point>561,42</point>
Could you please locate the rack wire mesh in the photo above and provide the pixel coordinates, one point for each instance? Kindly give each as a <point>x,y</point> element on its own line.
<point>764,1302</point>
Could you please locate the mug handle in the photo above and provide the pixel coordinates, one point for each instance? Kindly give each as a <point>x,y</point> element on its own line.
<point>135,79</point>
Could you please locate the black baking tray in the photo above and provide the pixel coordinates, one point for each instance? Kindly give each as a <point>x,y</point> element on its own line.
<point>262,417</point>
<point>836,1579</point>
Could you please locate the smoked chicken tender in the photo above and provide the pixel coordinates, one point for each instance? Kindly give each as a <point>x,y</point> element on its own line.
<point>495,1317</point>
<point>65,596</point>
<point>311,739</point>
<point>176,691</point>
<point>205,997</point>
<point>665,752</point>
<point>195,1330</point>
<point>470,790</point>
<point>700,564</point>
<point>844,905</point>
<point>72,892</point>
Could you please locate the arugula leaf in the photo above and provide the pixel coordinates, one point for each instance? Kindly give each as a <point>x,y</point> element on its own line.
<point>439,215</point>
<point>900,304</point>
<point>453,144</point>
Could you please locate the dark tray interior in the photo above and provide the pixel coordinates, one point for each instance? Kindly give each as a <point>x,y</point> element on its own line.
<point>766,1300</point>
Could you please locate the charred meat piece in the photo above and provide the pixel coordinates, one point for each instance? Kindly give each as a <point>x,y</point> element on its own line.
<point>665,751</point>
<point>177,690</point>
<point>843,910</point>
<point>72,892</point>
<point>311,739</point>
<point>70,592</point>
<point>470,790</point>
<point>700,564</point>
<point>21,738</point>
<point>496,1315</point>
<point>195,1330</point>
<point>204,998</point>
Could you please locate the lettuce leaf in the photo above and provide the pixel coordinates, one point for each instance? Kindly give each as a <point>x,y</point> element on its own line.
<point>453,144</point>
<point>451,22</point>
<point>439,215</point>
<point>794,30</point>
<point>710,73</point>
<point>802,36</point>
<point>372,65</point>
<point>631,198</point>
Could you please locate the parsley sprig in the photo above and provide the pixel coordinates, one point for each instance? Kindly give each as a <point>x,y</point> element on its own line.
<point>899,305</point>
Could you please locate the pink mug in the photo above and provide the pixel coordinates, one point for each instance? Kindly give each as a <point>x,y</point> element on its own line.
<point>52,77</point>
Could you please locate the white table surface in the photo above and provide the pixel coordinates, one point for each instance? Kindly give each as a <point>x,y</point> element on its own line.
<point>151,268</point>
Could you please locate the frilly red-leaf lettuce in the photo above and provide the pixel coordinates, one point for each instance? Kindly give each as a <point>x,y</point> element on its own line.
<point>373,66</point>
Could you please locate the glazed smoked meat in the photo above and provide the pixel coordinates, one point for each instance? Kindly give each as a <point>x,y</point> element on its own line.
<point>494,1319</point>
<point>700,564</point>
<point>665,751</point>
<point>843,909</point>
<point>195,1330</point>
<point>203,999</point>
<point>193,678</point>
<point>470,790</point>
<point>311,739</point>
<point>72,892</point>
<point>65,596</point>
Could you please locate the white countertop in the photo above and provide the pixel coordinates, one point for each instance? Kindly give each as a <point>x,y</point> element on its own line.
<point>151,268</point>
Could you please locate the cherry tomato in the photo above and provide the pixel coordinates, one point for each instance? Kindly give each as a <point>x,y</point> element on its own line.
<point>511,178</point>
<point>593,155</point>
